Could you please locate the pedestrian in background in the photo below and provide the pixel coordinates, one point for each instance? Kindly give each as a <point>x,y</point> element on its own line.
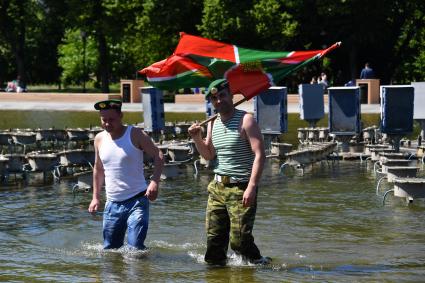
<point>367,72</point>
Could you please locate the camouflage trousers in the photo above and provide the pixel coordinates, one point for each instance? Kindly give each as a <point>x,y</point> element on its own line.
<point>227,219</point>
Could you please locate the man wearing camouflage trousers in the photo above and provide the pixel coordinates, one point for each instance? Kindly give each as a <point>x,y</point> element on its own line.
<point>235,140</point>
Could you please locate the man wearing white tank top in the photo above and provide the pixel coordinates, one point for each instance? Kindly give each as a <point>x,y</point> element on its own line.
<point>118,165</point>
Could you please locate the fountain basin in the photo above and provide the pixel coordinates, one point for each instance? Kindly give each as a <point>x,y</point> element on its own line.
<point>24,138</point>
<point>50,134</point>
<point>299,157</point>
<point>392,155</point>
<point>5,138</point>
<point>376,152</point>
<point>280,149</point>
<point>72,157</point>
<point>182,128</point>
<point>400,172</point>
<point>3,163</point>
<point>179,152</point>
<point>370,147</point>
<point>16,162</point>
<point>330,148</point>
<point>386,163</point>
<point>40,161</point>
<point>409,187</point>
<point>77,134</point>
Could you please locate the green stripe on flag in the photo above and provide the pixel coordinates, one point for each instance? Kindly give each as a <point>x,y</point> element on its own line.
<point>249,55</point>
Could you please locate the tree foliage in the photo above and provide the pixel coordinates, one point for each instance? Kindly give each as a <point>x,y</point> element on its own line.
<point>77,66</point>
<point>157,28</point>
<point>40,40</point>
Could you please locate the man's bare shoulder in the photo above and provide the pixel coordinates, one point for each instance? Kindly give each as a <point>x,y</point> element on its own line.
<point>138,133</point>
<point>139,137</point>
<point>248,120</point>
<point>99,136</point>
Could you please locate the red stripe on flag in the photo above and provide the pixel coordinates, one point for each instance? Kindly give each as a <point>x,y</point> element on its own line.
<point>299,56</point>
<point>247,83</point>
<point>173,66</point>
<point>190,44</point>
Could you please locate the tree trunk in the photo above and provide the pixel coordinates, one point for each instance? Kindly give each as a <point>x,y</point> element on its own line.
<point>354,74</point>
<point>20,49</point>
<point>13,29</point>
<point>103,62</point>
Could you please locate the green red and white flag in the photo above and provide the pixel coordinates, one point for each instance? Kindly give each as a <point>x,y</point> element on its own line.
<point>198,61</point>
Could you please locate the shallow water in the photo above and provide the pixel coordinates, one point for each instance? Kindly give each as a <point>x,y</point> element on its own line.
<point>327,225</point>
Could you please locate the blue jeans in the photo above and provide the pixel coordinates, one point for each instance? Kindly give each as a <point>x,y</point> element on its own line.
<point>132,214</point>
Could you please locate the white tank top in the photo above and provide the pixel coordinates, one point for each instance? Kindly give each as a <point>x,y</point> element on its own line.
<point>123,165</point>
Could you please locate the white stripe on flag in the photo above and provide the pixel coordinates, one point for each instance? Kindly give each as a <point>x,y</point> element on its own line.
<point>290,54</point>
<point>235,50</point>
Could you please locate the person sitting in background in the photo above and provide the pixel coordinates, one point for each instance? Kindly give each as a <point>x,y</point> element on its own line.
<point>20,85</point>
<point>367,72</point>
<point>313,80</point>
<point>17,85</point>
<point>11,86</point>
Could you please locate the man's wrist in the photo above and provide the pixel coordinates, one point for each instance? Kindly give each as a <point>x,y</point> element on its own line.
<point>251,186</point>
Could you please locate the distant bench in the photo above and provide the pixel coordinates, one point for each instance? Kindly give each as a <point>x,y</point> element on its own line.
<point>57,97</point>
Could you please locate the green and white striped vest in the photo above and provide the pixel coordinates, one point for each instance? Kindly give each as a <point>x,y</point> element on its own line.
<point>234,154</point>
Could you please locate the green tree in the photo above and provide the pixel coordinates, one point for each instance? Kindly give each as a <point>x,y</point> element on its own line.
<point>409,51</point>
<point>157,28</point>
<point>46,34</point>
<point>228,21</point>
<point>275,26</point>
<point>30,33</point>
<point>98,20</point>
<point>376,31</point>
<point>13,22</point>
<point>71,58</point>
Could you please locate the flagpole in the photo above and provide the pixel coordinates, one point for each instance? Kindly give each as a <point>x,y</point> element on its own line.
<point>215,116</point>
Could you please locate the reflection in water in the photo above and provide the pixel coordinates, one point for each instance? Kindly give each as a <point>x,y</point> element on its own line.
<point>327,225</point>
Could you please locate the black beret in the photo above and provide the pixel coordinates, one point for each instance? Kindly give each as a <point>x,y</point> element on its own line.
<point>108,104</point>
